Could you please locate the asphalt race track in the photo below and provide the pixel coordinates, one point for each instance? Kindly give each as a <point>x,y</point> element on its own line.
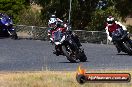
<point>34,55</point>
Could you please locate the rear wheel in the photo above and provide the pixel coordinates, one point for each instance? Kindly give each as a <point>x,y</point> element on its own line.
<point>4,33</point>
<point>71,55</point>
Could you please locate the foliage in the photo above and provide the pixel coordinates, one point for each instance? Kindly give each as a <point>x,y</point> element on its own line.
<point>124,7</point>
<point>58,7</point>
<point>129,28</point>
<point>87,13</point>
<point>99,16</point>
<point>29,17</point>
<point>80,11</point>
<point>13,7</point>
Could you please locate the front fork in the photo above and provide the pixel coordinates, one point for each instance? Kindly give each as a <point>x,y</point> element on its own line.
<point>129,41</point>
<point>11,31</point>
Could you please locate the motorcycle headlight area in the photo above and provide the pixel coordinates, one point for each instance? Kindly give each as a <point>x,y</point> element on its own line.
<point>117,33</point>
<point>70,41</point>
<point>7,24</point>
<point>57,43</point>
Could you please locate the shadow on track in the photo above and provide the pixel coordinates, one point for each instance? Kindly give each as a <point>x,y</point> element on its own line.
<point>75,62</point>
<point>124,54</point>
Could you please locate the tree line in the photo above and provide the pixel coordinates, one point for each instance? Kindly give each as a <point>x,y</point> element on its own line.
<point>85,14</point>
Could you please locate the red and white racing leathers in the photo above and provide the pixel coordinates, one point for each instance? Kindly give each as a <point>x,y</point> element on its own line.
<point>110,28</point>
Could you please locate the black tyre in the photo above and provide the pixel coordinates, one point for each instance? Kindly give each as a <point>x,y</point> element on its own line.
<point>81,79</point>
<point>4,34</point>
<point>128,47</point>
<point>70,57</point>
<point>82,57</point>
<point>14,35</point>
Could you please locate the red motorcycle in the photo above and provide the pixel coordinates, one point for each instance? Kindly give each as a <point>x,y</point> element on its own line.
<point>68,44</point>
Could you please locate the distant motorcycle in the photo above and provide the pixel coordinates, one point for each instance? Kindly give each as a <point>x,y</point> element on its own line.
<point>122,41</point>
<point>6,26</point>
<point>66,43</point>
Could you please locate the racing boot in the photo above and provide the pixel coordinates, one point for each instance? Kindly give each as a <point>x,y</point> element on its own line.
<point>57,51</point>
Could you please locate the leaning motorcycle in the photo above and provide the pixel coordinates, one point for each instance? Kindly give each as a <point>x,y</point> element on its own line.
<point>66,43</point>
<point>6,27</point>
<point>122,41</point>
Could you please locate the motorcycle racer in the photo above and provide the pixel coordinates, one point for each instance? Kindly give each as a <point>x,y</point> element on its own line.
<point>54,24</point>
<point>112,25</point>
<point>6,26</point>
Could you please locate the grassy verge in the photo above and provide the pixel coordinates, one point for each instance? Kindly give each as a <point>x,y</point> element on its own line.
<point>52,79</point>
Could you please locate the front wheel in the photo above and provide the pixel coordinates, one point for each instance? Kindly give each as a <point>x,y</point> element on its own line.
<point>71,55</point>
<point>82,57</point>
<point>14,35</point>
<point>128,47</point>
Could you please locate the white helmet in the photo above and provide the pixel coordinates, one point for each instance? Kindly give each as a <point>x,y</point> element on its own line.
<point>52,20</point>
<point>110,20</point>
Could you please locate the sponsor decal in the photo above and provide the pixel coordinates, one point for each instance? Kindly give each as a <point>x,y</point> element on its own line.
<point>82,76</point>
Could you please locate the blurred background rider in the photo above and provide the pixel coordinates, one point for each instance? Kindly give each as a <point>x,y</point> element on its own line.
<point>112,25</point>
